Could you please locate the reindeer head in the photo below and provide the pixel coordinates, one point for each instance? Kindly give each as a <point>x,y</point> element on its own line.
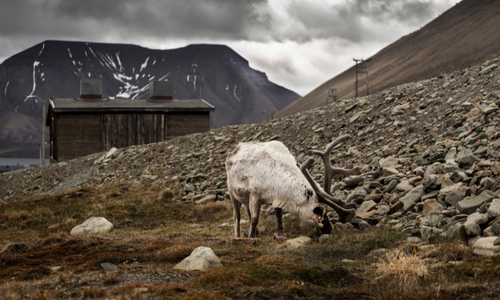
<point>345,211</point>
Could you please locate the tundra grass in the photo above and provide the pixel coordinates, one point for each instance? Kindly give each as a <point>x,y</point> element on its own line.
<point>155,231</point>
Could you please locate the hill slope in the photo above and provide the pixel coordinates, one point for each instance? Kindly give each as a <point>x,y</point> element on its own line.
<point>466,34</point>
<point>54,68</point>
<point>430,156</point>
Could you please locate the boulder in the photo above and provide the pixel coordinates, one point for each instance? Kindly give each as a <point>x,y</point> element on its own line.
<point>494,209</point>
<point>470,205</point>
<point>412,197</point>
<point>202,258</point>
<point>431,206</point>
<point>477,218</point>
<point>485,246</point>
<point>472,229</point>
<point>93,226</point>
<point>456,195</point>
<point>388,162</point>
<point>298,242</point>
<point>430,235</point>
<point>456,233</point>
<point>366,207</point>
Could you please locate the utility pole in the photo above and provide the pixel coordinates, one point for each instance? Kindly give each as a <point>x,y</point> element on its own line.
<point>264,115</point>
<point>361,68</point>
<point>42,158</point>
<point>332,96</point>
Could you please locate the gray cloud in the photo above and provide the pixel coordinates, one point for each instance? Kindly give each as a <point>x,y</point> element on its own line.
<point>173,23</point>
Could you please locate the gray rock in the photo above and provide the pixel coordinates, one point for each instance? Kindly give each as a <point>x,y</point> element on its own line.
<point>109,268</point>
<point>477,218</point>
<point>324,237</point>
<point>390,186</point>
<point>456,233</point>
<point>298,242</point>
<point>430,235</point>
<point>496,242</point>
<point>412,197</point>
<point>451,154</point>
<point>206,199</point>
<point>388,162</point>
<point>366,206</point>
<point>382,210</point>
<point>494,209</point>
<point>470,205</point>
<point>202,258</point>
<point>466,158</point>
<point>431,206</point>
<point>404,186</point>
<point>472,229</point>
<point>456,195</point>
<point>496,229</point>
<point>188,188</point>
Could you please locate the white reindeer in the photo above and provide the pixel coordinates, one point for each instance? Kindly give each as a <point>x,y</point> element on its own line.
<point>259,173</point>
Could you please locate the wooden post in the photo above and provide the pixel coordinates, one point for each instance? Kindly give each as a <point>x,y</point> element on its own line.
<point>42,159</point>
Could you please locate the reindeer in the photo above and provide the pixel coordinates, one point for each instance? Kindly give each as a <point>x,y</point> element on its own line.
<point>259,173</point>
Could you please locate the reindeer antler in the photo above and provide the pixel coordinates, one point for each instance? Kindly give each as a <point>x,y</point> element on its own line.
<point>345,215</point>
<point>330,171</point>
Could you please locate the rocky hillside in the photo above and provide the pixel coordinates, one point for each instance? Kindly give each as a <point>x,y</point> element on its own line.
<point>465,35</point>
<point>55,68</point>
<point>429,153</point>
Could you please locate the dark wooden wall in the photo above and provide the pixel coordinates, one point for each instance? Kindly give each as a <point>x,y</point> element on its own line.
<point>122,130</point>
<point>179,124</point>
<point>77,135</point>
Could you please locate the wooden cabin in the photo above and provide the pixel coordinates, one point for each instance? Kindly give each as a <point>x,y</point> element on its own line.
<point>90,124</point>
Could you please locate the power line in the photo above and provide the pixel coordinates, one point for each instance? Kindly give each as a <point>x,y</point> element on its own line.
<point>361,68</point>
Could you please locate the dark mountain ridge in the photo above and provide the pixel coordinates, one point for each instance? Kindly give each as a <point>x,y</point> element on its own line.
<point>54,68</point>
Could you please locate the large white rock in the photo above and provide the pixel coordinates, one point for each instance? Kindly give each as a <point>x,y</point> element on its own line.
<point>298,242</point>
<point>202,258</point>
<point>93,226</point>
<point>485,246</point>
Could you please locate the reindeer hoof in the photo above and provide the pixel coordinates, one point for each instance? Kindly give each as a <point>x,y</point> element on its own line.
<point>348,216</point>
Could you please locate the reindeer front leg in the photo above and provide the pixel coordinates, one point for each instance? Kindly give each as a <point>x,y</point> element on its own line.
<point>254,213</point>
<point>279,224</point>
<point>236,215</point>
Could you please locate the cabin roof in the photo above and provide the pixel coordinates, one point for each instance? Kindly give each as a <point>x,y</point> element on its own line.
<point>126,105</point>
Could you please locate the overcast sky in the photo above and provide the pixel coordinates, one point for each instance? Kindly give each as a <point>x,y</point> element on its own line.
<point>299,43</point>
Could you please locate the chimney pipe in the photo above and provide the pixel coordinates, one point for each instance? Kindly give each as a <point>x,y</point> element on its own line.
<point>90,89</point>
<point>160,91</point>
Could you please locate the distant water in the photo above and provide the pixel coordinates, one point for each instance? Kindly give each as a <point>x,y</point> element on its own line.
<point>9,161</point>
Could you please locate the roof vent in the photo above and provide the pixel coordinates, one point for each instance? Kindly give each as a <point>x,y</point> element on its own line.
<point>91,89</point>
<point>160,91</point>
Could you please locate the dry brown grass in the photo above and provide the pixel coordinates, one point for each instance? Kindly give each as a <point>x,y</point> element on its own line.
<point>405,269</point>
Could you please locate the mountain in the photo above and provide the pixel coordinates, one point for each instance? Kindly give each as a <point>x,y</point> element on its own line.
<point>466,34</point>
<point>54,69</point>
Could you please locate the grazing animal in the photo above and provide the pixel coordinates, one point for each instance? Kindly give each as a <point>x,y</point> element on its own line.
<point>259,173</point>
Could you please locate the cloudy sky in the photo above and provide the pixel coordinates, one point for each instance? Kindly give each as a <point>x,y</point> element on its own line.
<point>298,43</point>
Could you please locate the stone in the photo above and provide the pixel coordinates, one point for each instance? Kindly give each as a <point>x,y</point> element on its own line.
<point>456,233</point>
<point>353,181</point>
<point>431,206</point>
<point>404,186</point>
<point>494,209</point>
<point>430,235</point>
<point>56,269</point>
<point>366,207</point>
<point>472,229</point>
<point>208,198</point>
<point>390,186</point>
<point>93,226</point>
<point>376,195</point>
<point>324,237</point>
<point>389,171</point>
<point>202,258</point>
<point>388,162</point>
<point>450,156</point>
<point>413,240</point>
<point>412,197</point>
<point>382,210</point>
<point>298,242</point>
<point>111,152</point>
<point>466,158</point>
<point>488,232</point>
<point>497,241</point>
<point>109,268</point>
<point>486,246</point>
<point>188,188</point>
<point>455,195</point>
<point>477,218</point>
<point>469,205</point>
<point>344,226</point>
